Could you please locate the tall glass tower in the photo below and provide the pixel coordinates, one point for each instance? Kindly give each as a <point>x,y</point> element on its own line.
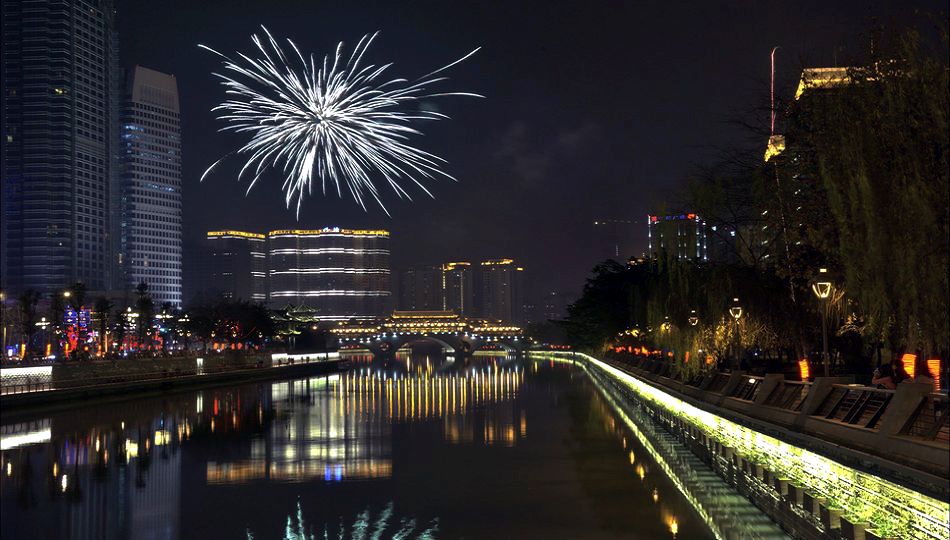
<point>151,185</point>
<point>59,73</point>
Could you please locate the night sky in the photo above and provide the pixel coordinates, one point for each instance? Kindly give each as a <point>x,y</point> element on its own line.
<point>592,110</point>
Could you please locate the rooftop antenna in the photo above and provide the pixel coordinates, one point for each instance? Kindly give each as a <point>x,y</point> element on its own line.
<point>772,91</point>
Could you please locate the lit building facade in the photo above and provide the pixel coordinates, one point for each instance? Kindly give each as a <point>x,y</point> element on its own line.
<point>236,265</point>
<point>151,185</point>
<point>458,288</point>
<point>420,288</point>
<point>61,89</point>
<point>339,274</point>
<point>678,236</point>
<point>500,291</point>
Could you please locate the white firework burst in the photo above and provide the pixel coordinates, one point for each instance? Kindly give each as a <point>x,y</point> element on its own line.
<point>337,121</point>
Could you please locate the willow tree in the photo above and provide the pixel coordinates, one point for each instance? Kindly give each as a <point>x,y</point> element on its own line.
<point>881,144</point>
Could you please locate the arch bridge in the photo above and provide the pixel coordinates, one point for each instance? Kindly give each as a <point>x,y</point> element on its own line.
<point>458,335</point>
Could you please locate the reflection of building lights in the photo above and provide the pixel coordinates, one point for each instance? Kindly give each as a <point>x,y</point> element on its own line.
<point>674,527</point>
<point>34,437</point>
<point>131,449</point>
<point>55,469</point>
<point>162,437</point>
<point>641,472</point>
<point>656,495</point>
<point>64,482</point>
<point>633,458</point>
<point>9,468</point>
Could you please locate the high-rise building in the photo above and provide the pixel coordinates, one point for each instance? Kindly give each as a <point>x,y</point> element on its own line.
<point>617,239</point>
<point>458,288</point>
<point>420,288</point>
<point>680,236</point>
<point>151,185</point>
<point>59,144</point>
<point>339,274</point>
<point>236,265</point>
<point>500,291</point>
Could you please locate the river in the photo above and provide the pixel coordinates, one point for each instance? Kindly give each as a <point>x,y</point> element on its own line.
<point>417,447</point>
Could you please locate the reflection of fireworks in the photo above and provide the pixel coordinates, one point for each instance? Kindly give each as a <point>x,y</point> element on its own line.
<point>332,120</point>
<point>363,527</point>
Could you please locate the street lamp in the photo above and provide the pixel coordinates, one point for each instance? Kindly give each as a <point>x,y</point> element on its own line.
<point>822,288</point>
<point>736,312</point>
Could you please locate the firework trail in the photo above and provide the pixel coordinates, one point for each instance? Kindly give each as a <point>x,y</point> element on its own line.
<point>336,121</point>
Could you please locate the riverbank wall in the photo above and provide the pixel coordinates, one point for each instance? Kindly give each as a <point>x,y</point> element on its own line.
<point>810,476</point>
<point>133,378</point>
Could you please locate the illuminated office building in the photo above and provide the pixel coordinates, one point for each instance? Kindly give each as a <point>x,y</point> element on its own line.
<point>151,185</point>
<point>458,288</point>
<point>420,288</point>
<point>500,291</point>
<point>339,274</point>
<point>236,265</point>
<point>61,89</point>
<point>678,236</point>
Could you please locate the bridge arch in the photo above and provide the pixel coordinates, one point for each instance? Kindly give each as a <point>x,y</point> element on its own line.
<point>451,345</point>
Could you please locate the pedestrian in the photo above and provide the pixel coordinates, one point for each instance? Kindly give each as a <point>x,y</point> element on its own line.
<point>900,374</point>
<point>884,377</point>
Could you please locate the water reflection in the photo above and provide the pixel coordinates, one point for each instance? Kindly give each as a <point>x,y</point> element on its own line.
<point>416,445</point>
<point>385,525</point>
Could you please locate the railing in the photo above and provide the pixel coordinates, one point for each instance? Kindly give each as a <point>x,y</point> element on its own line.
<point>856,405</point>
<point>931,421</point>
<point>747,389</point>
<point>719,382</point>
<point>790,395</point>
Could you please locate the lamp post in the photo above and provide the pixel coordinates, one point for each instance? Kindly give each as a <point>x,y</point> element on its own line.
<point>736,312</point>
<point>822,287</point>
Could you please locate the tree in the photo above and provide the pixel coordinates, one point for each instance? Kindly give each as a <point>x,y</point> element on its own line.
<point>27,303</point>
<point>103,306</point>
<point>57,309</point>
<point>77,300</point>
<point>145,307</point>
<point>870,170</point>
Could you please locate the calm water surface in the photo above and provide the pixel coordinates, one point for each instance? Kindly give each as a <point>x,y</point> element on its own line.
<point>419,447</point>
